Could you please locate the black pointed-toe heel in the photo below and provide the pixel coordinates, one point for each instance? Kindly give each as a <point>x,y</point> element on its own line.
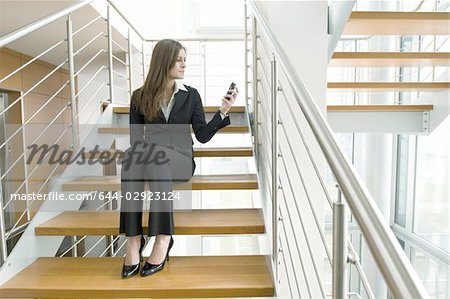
<point>131,270</point>
<point>149,269</point>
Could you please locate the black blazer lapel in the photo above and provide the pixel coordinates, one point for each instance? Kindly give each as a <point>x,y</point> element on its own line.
<point>180,98</point>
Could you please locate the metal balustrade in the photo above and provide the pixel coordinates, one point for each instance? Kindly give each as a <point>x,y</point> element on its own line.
<point>269,133</point>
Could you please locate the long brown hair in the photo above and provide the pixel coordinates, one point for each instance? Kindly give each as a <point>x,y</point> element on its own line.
<point>150,96</point>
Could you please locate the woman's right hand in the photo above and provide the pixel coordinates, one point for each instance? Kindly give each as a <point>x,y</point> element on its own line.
<point>229,100</point>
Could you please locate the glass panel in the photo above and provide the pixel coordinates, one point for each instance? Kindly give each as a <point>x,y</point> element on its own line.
<point>433,274</point>
<point>431,204</point>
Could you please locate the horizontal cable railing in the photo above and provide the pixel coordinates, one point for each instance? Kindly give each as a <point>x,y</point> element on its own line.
<point>277,160</point>
<point>80,99</point>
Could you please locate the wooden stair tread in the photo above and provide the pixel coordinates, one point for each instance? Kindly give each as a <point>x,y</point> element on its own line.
<point>192,222</point>
<point>198,152</point>
<point>392,86</point>
<point>397,23</point>
<point>183,277</point>
<point>198,182</point>
<point>380,108</point>
<point>207,109</point>
<point>126,130</point>
<point>389,59</point>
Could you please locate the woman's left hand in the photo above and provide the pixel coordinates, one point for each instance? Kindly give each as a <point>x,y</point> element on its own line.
<point>229,100</point>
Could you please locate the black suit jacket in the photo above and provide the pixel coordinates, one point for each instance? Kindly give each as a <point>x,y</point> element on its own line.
<point>187,110</point>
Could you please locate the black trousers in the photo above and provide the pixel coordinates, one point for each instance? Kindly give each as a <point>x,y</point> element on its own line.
<point>161,177</point>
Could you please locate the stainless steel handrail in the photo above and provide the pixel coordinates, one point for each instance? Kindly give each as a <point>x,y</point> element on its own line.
<point>21,32</point>
<point>398,273</point>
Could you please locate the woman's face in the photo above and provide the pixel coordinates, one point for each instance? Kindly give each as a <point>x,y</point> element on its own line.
<point>177,71</point>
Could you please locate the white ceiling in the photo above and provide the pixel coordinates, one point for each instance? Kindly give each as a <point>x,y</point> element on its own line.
<point>16,14</point>
<point>154,19</point>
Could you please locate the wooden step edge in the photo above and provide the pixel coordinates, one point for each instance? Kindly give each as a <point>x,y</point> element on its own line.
<point>207,109</point>
<point>399,15</point>
<point>198,182</point>
<point>380,108</point>
<point>192,222</point>
<point>198,152</point>
<point>389,59</point>
<point>126,130</point>
<point>391,55</point>
<point>397,23</point>
<point>183,277</point>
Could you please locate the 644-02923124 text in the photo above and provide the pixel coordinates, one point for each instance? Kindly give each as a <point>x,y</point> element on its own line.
<point>59,196</point>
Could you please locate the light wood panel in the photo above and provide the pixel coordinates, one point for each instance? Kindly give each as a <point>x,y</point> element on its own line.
<point>183,277</point>
<point>8,64</point>
<point>389,59</point>
<point>388,86</point>
<point>198,152</point>
<point>208,109</point>
<point>397,23</point>
<point>380,108</point>
<point>126,130</point>
<point>193,222</point>
<point>198,182</point>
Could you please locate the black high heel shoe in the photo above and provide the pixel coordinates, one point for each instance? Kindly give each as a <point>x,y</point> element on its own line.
<point>149,269</point>
<point>131,270</point>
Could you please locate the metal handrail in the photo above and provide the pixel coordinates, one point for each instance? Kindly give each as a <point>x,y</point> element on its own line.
<point>398,273</point>
<point>21,32</point>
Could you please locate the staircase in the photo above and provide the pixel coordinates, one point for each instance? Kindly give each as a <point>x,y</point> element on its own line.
<point>369,112</point>
<point>279,180</point>
<point>184,276</point>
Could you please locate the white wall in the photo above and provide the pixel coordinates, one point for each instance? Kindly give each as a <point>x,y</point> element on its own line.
<point>301,30</point>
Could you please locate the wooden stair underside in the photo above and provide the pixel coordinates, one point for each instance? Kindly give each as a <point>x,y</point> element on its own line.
<point>198,182</point>
<point>380,108</point>
<point>191,222</point>
<point>397,23</point>
<point>389,59</point>
<point>183,277</point>
<point>388,86</point>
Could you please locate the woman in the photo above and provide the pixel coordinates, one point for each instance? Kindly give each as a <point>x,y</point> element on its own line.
<point>161,100</point>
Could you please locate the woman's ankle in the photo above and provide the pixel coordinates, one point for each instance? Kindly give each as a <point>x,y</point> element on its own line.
<point>162,238</point>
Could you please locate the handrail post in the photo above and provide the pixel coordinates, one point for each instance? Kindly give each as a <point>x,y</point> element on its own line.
<point>3,245</point>
<point>75,247</point>
<point>109,207</point>
<point>255,88</point>
<point>72,84</point>
<point>275,205</point>
<point>340,254</point>
<point>246,56</point>
<point>110,54</point>
<point>143,61</point>
<point>130,63</point>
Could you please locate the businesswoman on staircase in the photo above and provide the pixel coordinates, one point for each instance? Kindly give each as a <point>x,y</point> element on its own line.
<point>161,101</point>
